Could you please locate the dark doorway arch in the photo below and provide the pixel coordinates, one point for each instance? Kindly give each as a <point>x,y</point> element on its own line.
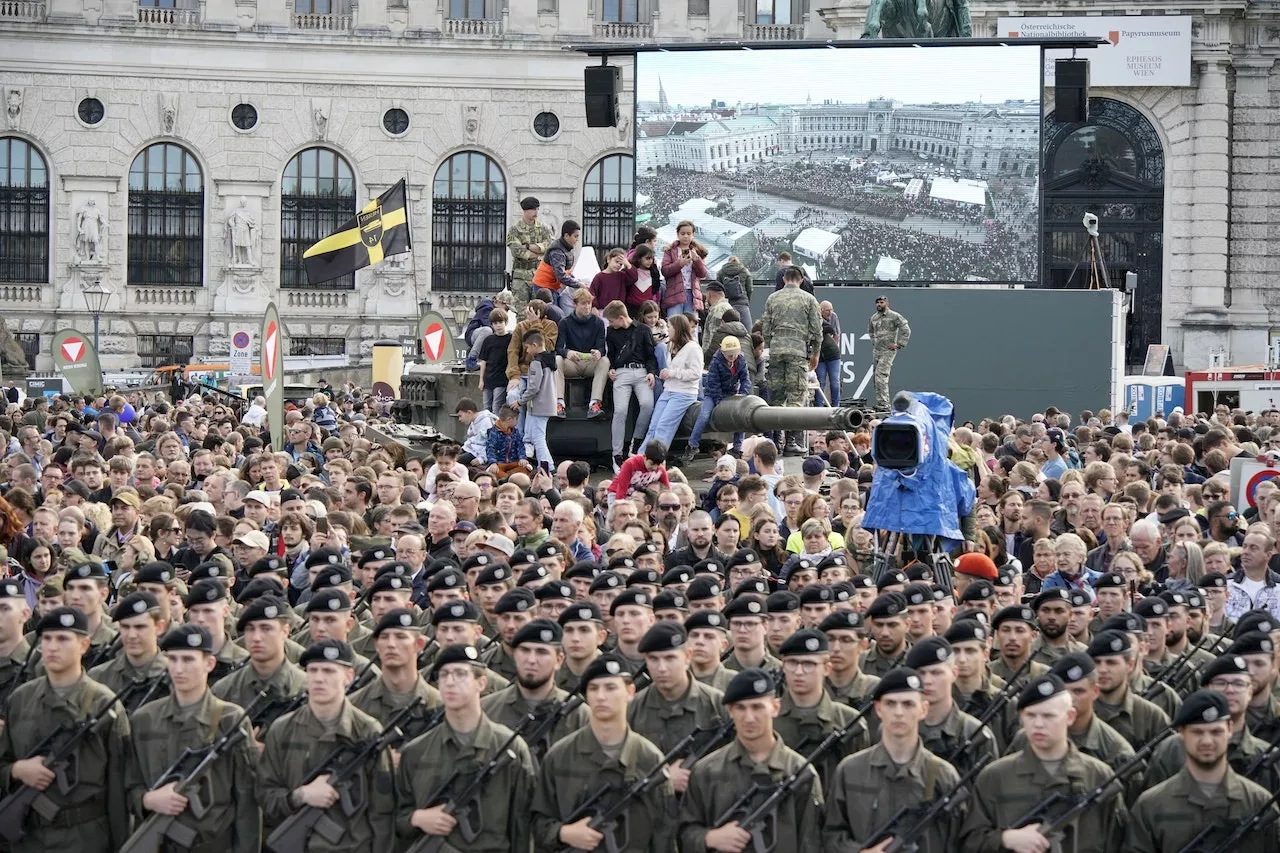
<point>1112,166</point>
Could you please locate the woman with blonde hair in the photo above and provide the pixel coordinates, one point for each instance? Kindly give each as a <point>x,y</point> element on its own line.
<point>1186,567</point>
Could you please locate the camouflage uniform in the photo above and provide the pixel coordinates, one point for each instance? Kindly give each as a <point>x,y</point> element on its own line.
<point>792,328</point>
<point>161,731</point>
<point>885,329</point>
<point>94,817</point>
<point>524,262</point>
<point>296,744</point>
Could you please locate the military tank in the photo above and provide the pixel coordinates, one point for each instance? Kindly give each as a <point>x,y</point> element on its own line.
<point>429,394</point>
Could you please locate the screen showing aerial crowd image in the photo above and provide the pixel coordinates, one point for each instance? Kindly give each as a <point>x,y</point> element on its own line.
<point>891,164</point>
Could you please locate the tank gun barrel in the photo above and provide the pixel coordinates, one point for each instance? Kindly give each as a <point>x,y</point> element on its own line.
<point>752,414</point>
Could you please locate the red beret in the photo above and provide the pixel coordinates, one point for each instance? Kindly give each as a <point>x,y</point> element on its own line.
<point>977,565</point>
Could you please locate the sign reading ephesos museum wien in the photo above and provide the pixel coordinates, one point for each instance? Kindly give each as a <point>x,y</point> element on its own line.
<point>1141,50</point>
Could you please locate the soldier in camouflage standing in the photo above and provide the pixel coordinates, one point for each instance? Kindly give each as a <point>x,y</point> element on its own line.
<point>792,327</point>
<point>527,241</point>
<point>889,333</point>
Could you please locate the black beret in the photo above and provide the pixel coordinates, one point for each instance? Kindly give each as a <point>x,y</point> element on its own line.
<point>750,683</point>
<point>1228,664</point>
<point>1255,620</point>
<point>517,600</point>
<point>806,641</point>
<point>606,581</point>
<point>325,557</point>
<point>918,594</point>
<point>928,652</point>
<point>11,589</point>
<point>63,619</point>
<point>1004,577</point>
<point>1252,643</point>
<point>204,592</point>
<point>631,598</point>
<point>456,653</point>
<point>621,561</point>
<point>887,605</point>
<point>270,563</point>
<point>494,573</point>
<point>1055,594</point>
<point>88,570</point>
<point>550,548</point>
<point>1110,580</point>
<point>706,619</point>
<point>1174,598</point>
<point>523,557</point>
<point>645,549</point>
<point>262,609</point>
<point>391,583</point>
<point>455,611</point>
<point>703,589</point>
<point>1151,608</point>
<point>979,590</point>
<point>967,631</point>
<point>1213,580</point>
<point>188,638</point>
<point>669,599</point>
<point>1079,598</point>
<point>529,203</point>
<point>1109,643</point>
<point>742,557</point>
<point>973,614</point>
<point>329,601</point>
<point>1202,707</point>
<point>134,604</point>
<point>1040,689</point>
<point>1014,613</point>
<point>920,573</point>
<point>862,582</point>
<point>833,560</point>
<point>399,569</point>
<point>328,651</point>
<point>331,576</point>
<point>803,563</point>
<point>816,593</point>
<point>208,570</point>
<point>663,637</point>
<point>652,577</point>
<point>782,601</point>
<point>555,590</point>
<point>448,579</point>
<point>1195,601</point>
<point>258,587</point>
<point>1073,667</point>
<point>605,666</point>
<point>377,554</point>
<point>745,605</point>
<point>533,574</point>
<point>842,591</point>
<point>753,586</point>
<point>842,620</point>
<point>400,618</point>
<point>478,561</point>
<point>157,571</point>
<point>542,631</point>
<point>900,679</point>
<point>583,569</point>
<point>711,566</point>
<point>1130,623</point>
<point>678,574</point>
<point>891,578</point>
<point>580,611</point>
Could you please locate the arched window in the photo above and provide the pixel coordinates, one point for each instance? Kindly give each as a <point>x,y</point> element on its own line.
<point>609,204</point>
<point>166,217</point>
<point>317,194</point>
<point>24,213</point>
<point>468,225</point>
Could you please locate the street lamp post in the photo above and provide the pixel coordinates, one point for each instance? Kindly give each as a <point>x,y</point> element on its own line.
<point>96,295</point>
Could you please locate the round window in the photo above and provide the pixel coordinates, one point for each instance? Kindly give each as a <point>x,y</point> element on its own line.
<point>91,111</point>
<point>244,116</point>
<point>546,125</point>
<point>396,121</point>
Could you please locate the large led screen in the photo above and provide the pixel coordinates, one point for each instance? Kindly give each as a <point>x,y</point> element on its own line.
<point>889,163</point>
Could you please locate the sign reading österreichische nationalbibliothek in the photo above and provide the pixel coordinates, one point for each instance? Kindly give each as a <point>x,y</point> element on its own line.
<point>1143,50</point>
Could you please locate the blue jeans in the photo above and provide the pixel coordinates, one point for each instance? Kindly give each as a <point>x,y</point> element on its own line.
<point>536,433</point>
<point>704,417</point>
<point>630,380</point>
<point>829,373</point>
<point>667,414</point>
<point>494,398</point>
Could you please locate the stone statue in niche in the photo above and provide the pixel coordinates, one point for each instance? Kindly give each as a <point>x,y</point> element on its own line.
<point>241,228</point>
<point>168,113</point>
<point>320,115</point>
<point>471,121</point>
<point>91,232</point>
<point>13,106</point>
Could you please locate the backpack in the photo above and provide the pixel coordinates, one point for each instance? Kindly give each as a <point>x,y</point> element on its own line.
<point>732,285</point>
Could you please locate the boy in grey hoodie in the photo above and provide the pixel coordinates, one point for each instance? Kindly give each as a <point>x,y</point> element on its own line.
<point>539,396</point>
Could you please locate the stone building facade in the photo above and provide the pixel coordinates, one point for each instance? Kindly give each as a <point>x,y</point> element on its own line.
<point>182,152</point>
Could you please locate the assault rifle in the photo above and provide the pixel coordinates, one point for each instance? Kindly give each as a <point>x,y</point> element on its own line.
<point>1077,804</point>
<point>102,653</point>
<point>186,774</point>
<point>994,707</point>
<point>1174,668</point>
<point>606,819</point>
<point>910,822</point>
<point>1224,839</point>
<point>153,691</point>
<point>273,710</point>
<point>761,821</point>
<point>545,722</point>
<point>363,677</point>
<point>60,749</point>
<point>343,766</point>
<point>462,805</point>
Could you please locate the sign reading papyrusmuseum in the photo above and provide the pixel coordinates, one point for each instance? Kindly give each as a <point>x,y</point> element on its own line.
<point>1141,50</point>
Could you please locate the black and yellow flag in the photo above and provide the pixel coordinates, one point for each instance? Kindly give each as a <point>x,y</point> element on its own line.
<point>378,230</point>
